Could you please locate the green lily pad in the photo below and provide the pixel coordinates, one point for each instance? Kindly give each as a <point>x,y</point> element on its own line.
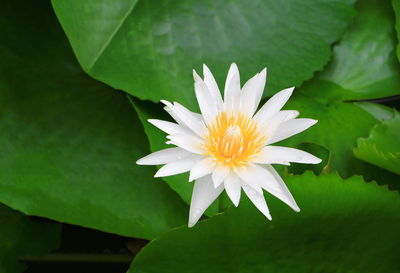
<point>382,146</point>
<point>149,49</point>
<point>69,143</point>
<point>344,226</point>
<point>21,236</point>
<point>364,62</point>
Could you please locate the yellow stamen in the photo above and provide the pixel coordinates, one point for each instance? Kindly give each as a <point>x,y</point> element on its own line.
<point>233,139</point>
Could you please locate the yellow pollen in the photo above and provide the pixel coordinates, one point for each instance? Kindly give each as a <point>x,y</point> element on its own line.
<point>233,139</point>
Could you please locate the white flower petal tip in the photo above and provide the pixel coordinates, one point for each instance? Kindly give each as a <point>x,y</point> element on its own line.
<point>162,173</point>
<point>233,188</point>
<point>196,76</point>
<point>285,94</point>
<point>227,145</point>
<point>312,122</point>
<point>234,67</point>
<point>141,161</point>
<point>204,194</point>
<point>314,160</point>
<point>206,70</point>
<point>264,71</point>
<point>167,103</point>
<point>236,204</point>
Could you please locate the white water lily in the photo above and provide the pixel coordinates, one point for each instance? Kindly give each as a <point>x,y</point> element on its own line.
<point>228,146</point>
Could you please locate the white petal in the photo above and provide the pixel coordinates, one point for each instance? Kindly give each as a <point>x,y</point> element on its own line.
<point>203,195</point>
<point>233,188</point>
<point>202,168</point>
<point>250,176</point>
<point>270,126</point>
<point>188,142</point>
<point>257,176</point>
<point>252,92</point>
<point>278,188</point>
<point>212,86</point>
<point>163,156</point>
<point>273,105</point>
<point>179,166</point>
<point>292,114</point>
<point>263,79</point>
<point>290,128</point>
<point>207,105</point>
<point>258,200</point>
<point>174,116</point>
<point>232,89</point>
<point>185,117</point>
<point>168,127</point>
<point>219,175</point>
<point>284,155</point>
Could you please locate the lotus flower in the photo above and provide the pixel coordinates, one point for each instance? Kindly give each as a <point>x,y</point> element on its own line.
<point>228,146</point>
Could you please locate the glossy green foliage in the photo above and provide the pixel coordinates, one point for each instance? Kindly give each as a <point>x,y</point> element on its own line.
<point>379,111</point>
<point>364,63</point>
<point>396,7</point>
<point>344,225</point>
<point>149,48</point>
<point>69,143</point>
<point>382,146</point>
<point>21,236</point>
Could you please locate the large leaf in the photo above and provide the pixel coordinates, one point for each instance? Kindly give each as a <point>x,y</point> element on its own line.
<point>382,147</point>
<point>21,236</point>
<point>69,143</point>
<point>149,48</point>
<point>364,62</point>
<point>344,226</point>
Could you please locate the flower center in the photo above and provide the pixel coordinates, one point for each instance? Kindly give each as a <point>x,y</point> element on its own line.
<point>233,139</point>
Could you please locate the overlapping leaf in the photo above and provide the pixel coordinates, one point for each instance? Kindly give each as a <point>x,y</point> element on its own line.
<point>149,48</point>
<point>364,63</point>
<point>382,147</point>
<point>68,143</point>
<point>21,236</point>
<point>343,226</point>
